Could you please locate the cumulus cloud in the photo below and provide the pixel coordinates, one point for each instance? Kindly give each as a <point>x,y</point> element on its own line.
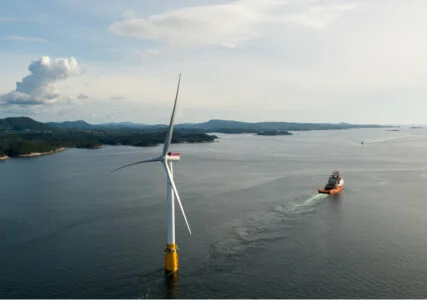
<point>40,86</point>
<point>228,25</point>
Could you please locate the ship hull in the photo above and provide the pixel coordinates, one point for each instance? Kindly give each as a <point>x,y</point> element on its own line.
<point>331,191</point>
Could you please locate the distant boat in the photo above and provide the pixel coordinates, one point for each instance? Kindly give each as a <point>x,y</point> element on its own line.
<point>335,184</point>
<point>362,142</point>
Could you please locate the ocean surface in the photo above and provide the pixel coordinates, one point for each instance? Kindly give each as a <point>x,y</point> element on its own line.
<point>70,228</point>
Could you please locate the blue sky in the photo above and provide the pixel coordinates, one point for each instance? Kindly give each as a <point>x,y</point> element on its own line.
<point>250,60</point>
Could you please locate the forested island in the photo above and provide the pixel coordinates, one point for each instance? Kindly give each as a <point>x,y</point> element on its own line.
<point>24,137</point>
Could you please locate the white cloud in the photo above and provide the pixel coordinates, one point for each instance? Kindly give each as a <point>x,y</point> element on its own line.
<point>205,25</point>
<point>39,87</point>
<point>318,15</point>
<point>227,25</point>
<point>25,39</point>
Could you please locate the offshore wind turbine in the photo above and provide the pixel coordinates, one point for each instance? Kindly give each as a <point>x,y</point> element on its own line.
<point>167,159</point>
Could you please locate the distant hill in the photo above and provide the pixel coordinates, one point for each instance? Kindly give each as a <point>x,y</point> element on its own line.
<point>222,126</point>
<point>122,125</point>
<point>80,124</point>
<point>230,126</point>
<point>23,124</point>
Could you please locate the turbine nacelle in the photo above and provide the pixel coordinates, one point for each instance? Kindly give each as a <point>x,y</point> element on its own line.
<point>172,157</point>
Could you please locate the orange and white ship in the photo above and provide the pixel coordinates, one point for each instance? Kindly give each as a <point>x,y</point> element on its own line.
<point>335,184</point>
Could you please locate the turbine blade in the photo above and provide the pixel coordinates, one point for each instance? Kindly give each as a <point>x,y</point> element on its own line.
<point>168,138</point>
<point>176,194</point>
<point>138,162</point>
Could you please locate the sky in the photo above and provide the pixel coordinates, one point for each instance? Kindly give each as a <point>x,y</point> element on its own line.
<point>248,60</point>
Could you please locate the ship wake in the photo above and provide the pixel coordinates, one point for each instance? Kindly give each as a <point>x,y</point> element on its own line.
<point>262,228</point>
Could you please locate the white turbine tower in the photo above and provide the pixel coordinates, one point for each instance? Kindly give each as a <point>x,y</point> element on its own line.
<point>167,158</point>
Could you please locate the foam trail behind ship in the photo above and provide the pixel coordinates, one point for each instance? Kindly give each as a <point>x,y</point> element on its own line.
<point>309,202</point>
<point>265,227</point>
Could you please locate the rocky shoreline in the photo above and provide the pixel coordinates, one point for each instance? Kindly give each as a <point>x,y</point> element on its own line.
<point>96,147</point>
<point>35,154</point>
